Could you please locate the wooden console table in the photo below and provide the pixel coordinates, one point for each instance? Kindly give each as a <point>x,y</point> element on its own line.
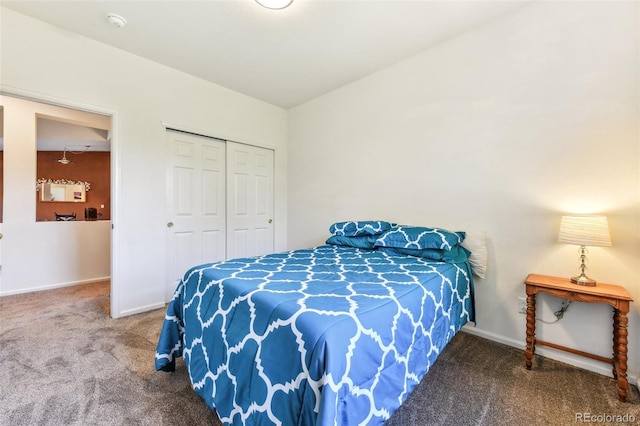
<point>613,295</point>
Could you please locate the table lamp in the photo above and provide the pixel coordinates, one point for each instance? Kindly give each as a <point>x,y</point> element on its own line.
<point>584,231</point>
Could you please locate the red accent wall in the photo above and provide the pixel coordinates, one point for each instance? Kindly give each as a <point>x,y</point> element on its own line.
<point>92,167</point>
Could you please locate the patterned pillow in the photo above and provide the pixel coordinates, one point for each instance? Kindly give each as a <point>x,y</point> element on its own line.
<point>357,228</point>
<point>362,241</point>
<point>418,237</point>
<point>456,255</point>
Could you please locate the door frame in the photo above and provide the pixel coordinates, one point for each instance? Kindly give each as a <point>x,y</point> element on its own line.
<point>115,181</point>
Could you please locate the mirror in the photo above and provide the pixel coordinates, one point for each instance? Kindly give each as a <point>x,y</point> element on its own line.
<point>62,191</point>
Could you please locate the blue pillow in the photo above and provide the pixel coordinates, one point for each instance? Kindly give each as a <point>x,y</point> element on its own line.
<point>357,228</point>
<point>431,254</point>
<point>362,241</point>
<point>457,254</point>
<point>418,237</point>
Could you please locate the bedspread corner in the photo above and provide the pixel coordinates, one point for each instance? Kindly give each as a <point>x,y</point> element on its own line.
<point>170,341</point>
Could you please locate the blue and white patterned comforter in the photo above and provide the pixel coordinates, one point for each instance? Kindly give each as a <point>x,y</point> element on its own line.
<point>329,336</point>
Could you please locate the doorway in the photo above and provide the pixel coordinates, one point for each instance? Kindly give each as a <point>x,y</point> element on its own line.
<point>47,254</point>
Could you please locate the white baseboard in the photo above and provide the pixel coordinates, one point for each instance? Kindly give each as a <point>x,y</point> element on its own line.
<point>139,310</point>
<point>577,361</point>
<point>54,286</point>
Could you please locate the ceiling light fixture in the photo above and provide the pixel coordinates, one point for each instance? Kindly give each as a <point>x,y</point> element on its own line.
<point>64,159</point>
<point>116,20</point>
<point>274,4</point>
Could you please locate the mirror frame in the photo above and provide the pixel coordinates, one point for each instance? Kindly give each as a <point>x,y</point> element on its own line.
<point>64,184</point>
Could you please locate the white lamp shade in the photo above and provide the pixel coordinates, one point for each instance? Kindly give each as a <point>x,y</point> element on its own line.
<point>584,231</point>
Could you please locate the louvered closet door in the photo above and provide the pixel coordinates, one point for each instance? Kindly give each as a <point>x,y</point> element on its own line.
<point>249,200</point>
<point>196,204</point>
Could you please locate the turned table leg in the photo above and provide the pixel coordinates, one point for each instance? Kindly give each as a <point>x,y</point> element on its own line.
<point>531,330</point>
<point>615,343</point>
<point>620,333</point>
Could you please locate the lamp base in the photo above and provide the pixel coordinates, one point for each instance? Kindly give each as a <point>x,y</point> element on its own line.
<point>583,280</point>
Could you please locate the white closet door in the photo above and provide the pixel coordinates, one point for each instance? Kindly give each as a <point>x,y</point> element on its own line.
<point>249,200</point>
<point>196,204</point>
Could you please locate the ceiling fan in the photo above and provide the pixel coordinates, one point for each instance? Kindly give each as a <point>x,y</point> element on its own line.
<point>65,160</point>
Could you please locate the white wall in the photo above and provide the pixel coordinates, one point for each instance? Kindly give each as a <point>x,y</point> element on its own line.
<point>501,129</point>
<point>51,64</point>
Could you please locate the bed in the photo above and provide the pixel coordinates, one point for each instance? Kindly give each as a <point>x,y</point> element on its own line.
<point>338,334</point>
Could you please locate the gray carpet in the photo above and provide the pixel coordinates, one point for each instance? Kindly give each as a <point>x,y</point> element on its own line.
<point>64,361</point>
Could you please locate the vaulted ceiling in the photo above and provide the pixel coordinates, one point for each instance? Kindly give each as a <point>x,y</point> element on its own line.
<point>283,57</point>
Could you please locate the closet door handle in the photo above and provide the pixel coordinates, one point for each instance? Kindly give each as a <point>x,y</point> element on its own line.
<point>270,220</point>
<point>0,235</point>
<point>170,225</point>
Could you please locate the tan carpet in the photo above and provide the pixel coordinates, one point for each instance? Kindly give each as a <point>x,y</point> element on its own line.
<point>64,361</point>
